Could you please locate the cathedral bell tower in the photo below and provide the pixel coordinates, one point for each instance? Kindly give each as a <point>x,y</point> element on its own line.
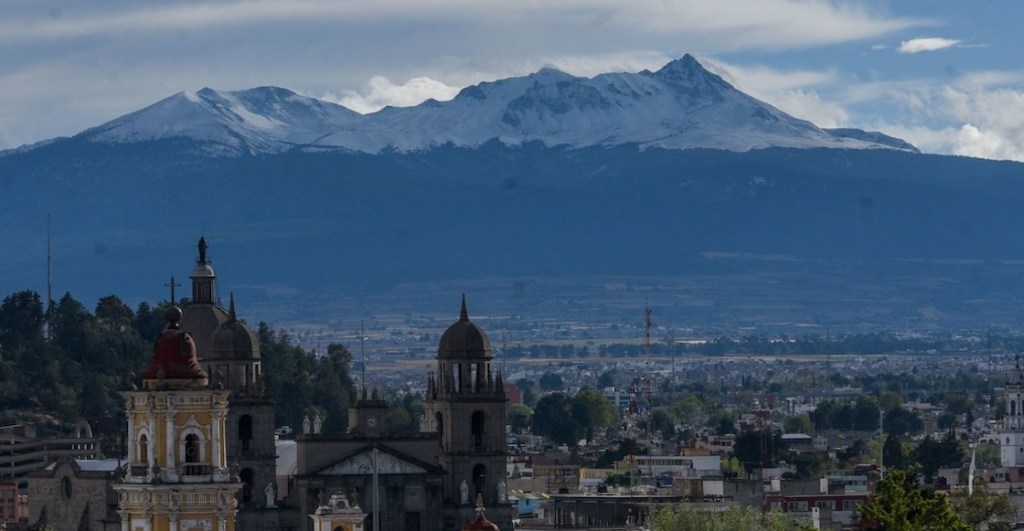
<point>229,351</point>
<point>465,404</point>
<point>177,476</point>
<point>1011,440</point>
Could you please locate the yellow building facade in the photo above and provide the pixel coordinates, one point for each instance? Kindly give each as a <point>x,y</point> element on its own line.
<point>177,476</point>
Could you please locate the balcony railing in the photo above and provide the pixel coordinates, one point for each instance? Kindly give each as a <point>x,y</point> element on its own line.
<point>195,469</point>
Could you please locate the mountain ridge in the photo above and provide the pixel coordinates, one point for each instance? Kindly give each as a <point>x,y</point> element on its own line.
<point>680,106</point>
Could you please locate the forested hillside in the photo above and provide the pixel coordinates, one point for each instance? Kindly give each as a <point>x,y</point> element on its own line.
<point>69,363</point>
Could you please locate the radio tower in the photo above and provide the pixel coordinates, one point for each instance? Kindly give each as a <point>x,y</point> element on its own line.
<point>647,328</point>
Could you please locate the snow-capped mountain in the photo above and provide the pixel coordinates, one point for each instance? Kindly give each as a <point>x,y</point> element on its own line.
<point>259,120</point>
<point>681,106</point>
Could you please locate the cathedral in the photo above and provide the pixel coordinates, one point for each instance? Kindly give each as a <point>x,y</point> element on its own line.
<point>202,452</point>
<point>427,481</point>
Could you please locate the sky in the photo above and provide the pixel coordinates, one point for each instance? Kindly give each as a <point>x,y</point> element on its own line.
<point>945,75</point>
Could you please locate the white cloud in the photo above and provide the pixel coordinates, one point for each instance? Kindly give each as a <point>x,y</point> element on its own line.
<point>380,92</point>
<point>730,23</point>
<point>790,90</point>
<point>927,44</point>
<point>973,142</point>
<point>977,114</point>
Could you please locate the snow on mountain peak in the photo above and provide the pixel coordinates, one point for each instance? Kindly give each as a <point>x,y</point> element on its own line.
<point>680,106</point>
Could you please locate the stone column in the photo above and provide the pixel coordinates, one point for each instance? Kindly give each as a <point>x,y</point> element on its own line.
<point>171,446</point>
<point>132,436</point>
<point>217,450</point>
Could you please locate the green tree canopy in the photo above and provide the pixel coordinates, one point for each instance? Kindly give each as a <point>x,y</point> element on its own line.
<point>551,381</point>
<point>553,419</point>
<point>899,504</point>
<point>593,411</point>
<point>985,509</point>
<point>687,517</point>
<point>519,416</point>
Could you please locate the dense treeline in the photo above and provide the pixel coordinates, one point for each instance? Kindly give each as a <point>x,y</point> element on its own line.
<point>856,344</point>
<point>68,362</point>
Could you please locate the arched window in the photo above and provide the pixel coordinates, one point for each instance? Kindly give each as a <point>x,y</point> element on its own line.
<point>1013,407</point>
<point>245,431</point>
<point>246,476</point>
<point>439,420</point>
<point>191,448</point>
<point>143,449</point>
<point>479,476</point>
<point>476,426</point>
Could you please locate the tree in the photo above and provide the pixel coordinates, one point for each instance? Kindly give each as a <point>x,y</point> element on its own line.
<point>529,389</point>
<point>900,505</point>
<point>592,410</point>
<point>519,416</point>
<point>865,414</point>
<point>732,468</point>
<point>985,509</point>
<point>663,421</point>
<point>553,419</point>
<point>812,464</point>
<point>724,422</point>
<point>799,424</point>
<point>933,455</point>
<point>551,381</point>
<point>689,409</point>
<point>892,453</point>
<point>686,517</point>
<point>899,421</point>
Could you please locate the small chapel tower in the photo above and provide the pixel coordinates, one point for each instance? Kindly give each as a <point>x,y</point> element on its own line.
<point>176,477</point>
<point>465,404</point>
<point>1011,440</point>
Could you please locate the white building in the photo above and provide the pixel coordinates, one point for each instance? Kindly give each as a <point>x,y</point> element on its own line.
<point>1011,439</point>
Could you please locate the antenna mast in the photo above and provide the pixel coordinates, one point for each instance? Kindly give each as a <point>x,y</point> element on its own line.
<point>49,280</point>
<point>362,355</point>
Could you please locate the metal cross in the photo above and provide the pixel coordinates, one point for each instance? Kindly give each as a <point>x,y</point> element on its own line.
<point>172,285</point>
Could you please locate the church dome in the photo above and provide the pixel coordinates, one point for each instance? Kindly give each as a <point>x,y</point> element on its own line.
<point>218,334</point>
<point>464,339</point>
<point>234,340</point>
<point>174,360</point>
<point>203,270</point>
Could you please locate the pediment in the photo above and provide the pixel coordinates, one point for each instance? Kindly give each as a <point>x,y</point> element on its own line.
<point>362,464</point>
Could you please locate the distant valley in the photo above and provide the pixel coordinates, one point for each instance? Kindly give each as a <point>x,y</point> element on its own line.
<point>840,235</point>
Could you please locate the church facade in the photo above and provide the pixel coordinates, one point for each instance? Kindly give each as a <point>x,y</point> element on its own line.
<point>201,448</point>
<point>426,481</point>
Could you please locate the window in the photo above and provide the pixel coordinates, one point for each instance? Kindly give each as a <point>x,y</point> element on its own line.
<point>65,487</point>
<point>246,476</point>
<point>479,476</point>
<point>245,431</point>
<point>191,448</point>
<point>143,449</point>
<point>477,428</point>
<point>412,521</point>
